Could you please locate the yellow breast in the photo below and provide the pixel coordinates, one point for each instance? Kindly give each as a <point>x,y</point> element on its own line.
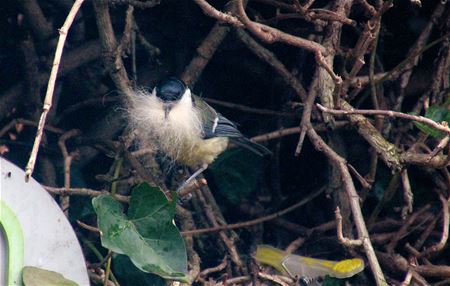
<point>202,152</point>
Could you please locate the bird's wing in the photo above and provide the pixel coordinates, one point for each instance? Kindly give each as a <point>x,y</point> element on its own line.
<point>214,123</point>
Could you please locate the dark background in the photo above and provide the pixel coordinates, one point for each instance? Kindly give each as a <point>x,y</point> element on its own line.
<point>235,75</point>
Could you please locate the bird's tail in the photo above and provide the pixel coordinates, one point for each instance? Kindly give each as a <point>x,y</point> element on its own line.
<point>256,148</point>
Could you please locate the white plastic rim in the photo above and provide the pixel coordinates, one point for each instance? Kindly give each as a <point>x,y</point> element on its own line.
<point>49,240</point>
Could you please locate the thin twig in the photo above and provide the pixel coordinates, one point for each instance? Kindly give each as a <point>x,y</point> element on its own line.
<point>404,229</point>
<point>438,161</point>
<point>414,53</point>
<point>107,269</point>
<point>420,281</point>
<point>376,103</point>
<point>295,244</point>
<point>89,227</point>
<point>264,32</point>
<point>415,254</point>
<point>187,222</point>
<point>228,242</point>
<point>426,233</point>
<point>113,65</point>
<point>408,196</point>
<point>101,263</point>
<point>354,201</point>
<point>442,144</point>
<point>51,87</point>
<point>270,58</point>
<point>276,134</point>
<point>274,278</point>
<point>255,221</point>
<point>126,37</point>
<point>65,200</point>
<point>99,279</point>
<point>249,109</point>
<point>85,104</point>
<point>206,49</point>
<point>293,130</point>
<point>344,240</point>
<point>307,111</point>
<point>438,126</point>
<point>320,59</point>
<point>445,228</point>
<point>214,13</point>
<point>195,185</point>
<point>368,36</point>
<point>234,281</point>
<point>23,121</point>
<point>214,269</point>
<point>84,192</point>
<point>151,50</point>
<point>408,277</point>
<point>364,183</point>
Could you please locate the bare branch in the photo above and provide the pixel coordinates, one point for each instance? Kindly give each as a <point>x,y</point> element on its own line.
<point>84,192</point>
<point>438,126</point>
<point>344,240</point>
<point>255,221</point>
<point>51,86</point>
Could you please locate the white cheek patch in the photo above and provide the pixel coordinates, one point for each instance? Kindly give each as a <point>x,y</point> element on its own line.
<point>180,131</point>
<point>185,121</point>
<point>145,110</point>
<point>183,117</point>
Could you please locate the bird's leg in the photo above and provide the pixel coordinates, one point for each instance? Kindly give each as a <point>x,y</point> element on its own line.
<point>192,177</point>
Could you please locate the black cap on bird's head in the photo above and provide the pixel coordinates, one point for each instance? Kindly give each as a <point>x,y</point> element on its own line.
<point>171,89</point>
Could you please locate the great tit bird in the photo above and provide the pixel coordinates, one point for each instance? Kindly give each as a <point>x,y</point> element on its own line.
<point>183,126</point>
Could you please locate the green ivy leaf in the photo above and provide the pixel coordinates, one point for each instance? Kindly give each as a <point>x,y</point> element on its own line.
<point>236,174</point>
<point>34,276</point>
<point>130,275</point>
<point>435,113</point>
<point>147,235</point>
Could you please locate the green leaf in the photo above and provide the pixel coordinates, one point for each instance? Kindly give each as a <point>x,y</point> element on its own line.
<point>147,235</point>
<point>236,174</point>
<point>435,113</point>
<point>129,275</point>
<point>33,276</point>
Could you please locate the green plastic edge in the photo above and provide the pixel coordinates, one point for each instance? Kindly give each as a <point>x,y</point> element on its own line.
<point>14,244</point>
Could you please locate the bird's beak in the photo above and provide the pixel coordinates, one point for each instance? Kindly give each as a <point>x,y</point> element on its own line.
<point>167,107</point>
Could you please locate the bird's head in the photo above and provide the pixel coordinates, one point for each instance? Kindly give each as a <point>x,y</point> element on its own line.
<point>172,92</point>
